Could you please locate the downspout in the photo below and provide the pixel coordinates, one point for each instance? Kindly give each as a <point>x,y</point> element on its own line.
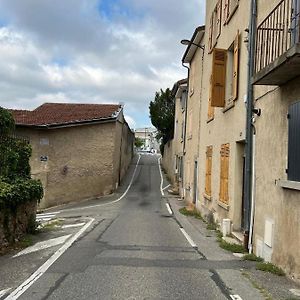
<point>185,121</point>
<point>249,127</point>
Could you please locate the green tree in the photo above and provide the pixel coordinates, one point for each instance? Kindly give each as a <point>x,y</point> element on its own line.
<point>162,111</point>
<point>7,123</point>
<point>138,142</point>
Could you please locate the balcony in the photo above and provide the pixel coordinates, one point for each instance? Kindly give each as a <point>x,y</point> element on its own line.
<point>278,45</point>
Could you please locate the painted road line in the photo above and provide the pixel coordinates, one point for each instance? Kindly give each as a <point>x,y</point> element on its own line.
<point>189,239</point>
<point>112,202</point>
<point>44,219</point>
<point>169,209</point>
<point>166,187</point>
<point>236,297</point>
<point>4,292</point>
<point>41,270</point>
<point>72,225</point>
<point>161,177</point>
<point>43,245</point>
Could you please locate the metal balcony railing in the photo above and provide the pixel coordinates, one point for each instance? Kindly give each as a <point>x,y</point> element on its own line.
<point>277,33</point>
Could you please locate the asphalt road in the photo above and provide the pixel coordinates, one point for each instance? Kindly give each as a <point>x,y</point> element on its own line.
<point>133,249</point>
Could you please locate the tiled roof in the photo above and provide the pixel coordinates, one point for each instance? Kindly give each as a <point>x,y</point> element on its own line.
<point>51,114</point>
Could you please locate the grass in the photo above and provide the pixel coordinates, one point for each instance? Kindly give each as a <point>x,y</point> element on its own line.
<point>191,213</point>
<point>52,225</point>
<point>235,248</point>
<point>25,242</point>
<point>270,268</point>
<point>253,257</point>
<point>211,226</point>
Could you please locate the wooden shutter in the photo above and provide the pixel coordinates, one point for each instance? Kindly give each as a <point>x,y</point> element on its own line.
<point>226,10</point>
<point>224,174</point>
<point>218,78</point>
<point>235,79</point>
<point>219,17</point>
<point>208,171</point>
<point>210,35</point>
<point>211,110</point>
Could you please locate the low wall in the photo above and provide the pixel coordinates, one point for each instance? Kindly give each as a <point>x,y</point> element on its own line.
<point>168,161</point>
<point>13,226</point>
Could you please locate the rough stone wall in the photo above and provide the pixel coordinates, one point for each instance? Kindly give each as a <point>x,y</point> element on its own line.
<point>123,152</point>
<point>13,226</point>
<point>78,161</point>
<point>168,161</point>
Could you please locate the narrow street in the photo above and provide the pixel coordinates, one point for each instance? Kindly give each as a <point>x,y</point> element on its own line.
<point>132,248</point>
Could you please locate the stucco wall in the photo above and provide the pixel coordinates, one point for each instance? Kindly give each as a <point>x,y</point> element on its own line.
<point>273,203</point>
<point>80,161</point>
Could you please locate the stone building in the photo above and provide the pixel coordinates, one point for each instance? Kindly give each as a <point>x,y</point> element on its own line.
<point>80,151</point>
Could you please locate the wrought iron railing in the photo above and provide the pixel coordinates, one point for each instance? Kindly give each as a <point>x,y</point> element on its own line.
<point>277,33</point>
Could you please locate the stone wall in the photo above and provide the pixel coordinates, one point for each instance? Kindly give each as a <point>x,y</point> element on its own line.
<point>168,161</point>
<point>13,226</point>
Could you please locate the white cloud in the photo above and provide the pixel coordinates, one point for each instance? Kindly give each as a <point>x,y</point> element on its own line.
<point>52,53</point>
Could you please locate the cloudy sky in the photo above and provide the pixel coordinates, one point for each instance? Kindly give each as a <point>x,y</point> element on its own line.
<point>93,51</point>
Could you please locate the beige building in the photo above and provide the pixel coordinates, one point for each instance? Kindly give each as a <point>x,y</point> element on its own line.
<point>277,143</point>
<point>80,151</point>
<point>215,126</point>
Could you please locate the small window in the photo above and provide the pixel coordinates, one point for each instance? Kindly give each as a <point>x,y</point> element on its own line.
<point>183,99</point>
<point>224,174</point>
<point>208,168</point>
<point>215,26</point>
<point>293,170</point>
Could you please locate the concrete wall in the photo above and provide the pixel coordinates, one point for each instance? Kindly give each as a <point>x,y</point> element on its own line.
<point>82,161</point>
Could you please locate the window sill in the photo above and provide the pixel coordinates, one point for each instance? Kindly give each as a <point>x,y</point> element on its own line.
<point>228,106</point>
<point>210,119</point>
<point>207,197</point>
<point>223,205</point>
<point>287,184</point>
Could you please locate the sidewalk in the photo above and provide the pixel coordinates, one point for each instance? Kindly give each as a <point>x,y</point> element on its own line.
<point>255,284</point>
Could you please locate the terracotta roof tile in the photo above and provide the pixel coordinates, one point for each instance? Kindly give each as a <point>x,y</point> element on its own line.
<point>65,113</point>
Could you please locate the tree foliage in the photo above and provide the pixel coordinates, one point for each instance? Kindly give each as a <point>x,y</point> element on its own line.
<point>7,123</point>
<point>138,142</point>
<point>162,111</point>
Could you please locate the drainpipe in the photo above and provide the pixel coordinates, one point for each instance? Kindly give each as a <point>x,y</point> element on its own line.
<point>249,127</point>
<point>185,119</point>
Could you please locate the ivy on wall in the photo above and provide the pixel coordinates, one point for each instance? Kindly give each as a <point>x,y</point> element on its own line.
<point>16,186</point>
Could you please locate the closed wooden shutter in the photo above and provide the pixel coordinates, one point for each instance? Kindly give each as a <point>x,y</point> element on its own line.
<point>208,171</point>
<point>211,110</point>
<point>224,174</point>
<point>218,78</point>
<point>235,79</point>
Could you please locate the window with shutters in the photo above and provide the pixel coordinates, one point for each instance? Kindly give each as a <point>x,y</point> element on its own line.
<point>215,25</point>
<point>230,7</point>
<point>293,170</point>
<point>224,174</point>
<point>225,74</point>
<point>208,169</point>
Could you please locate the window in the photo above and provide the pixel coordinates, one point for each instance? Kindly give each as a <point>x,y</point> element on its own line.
<point>230,6</point>
<point>183,99</point>
<point>224,174</point>
<point>215,25</point>
<point>208,171</point>
<point>224,78</point>
<point>293,170</point>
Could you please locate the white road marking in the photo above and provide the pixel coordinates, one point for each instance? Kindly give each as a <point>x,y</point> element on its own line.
<point>72,225</point>
<point>41,270</point>
<point>169,209</point>
<point>161,178</point>
<point>189,239</point>
<point>4,292</point>
<point>166,187</point>
<point>43,245</point>
<point>236,297</point>
<point>44,219</point>
<point>295,292</point>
